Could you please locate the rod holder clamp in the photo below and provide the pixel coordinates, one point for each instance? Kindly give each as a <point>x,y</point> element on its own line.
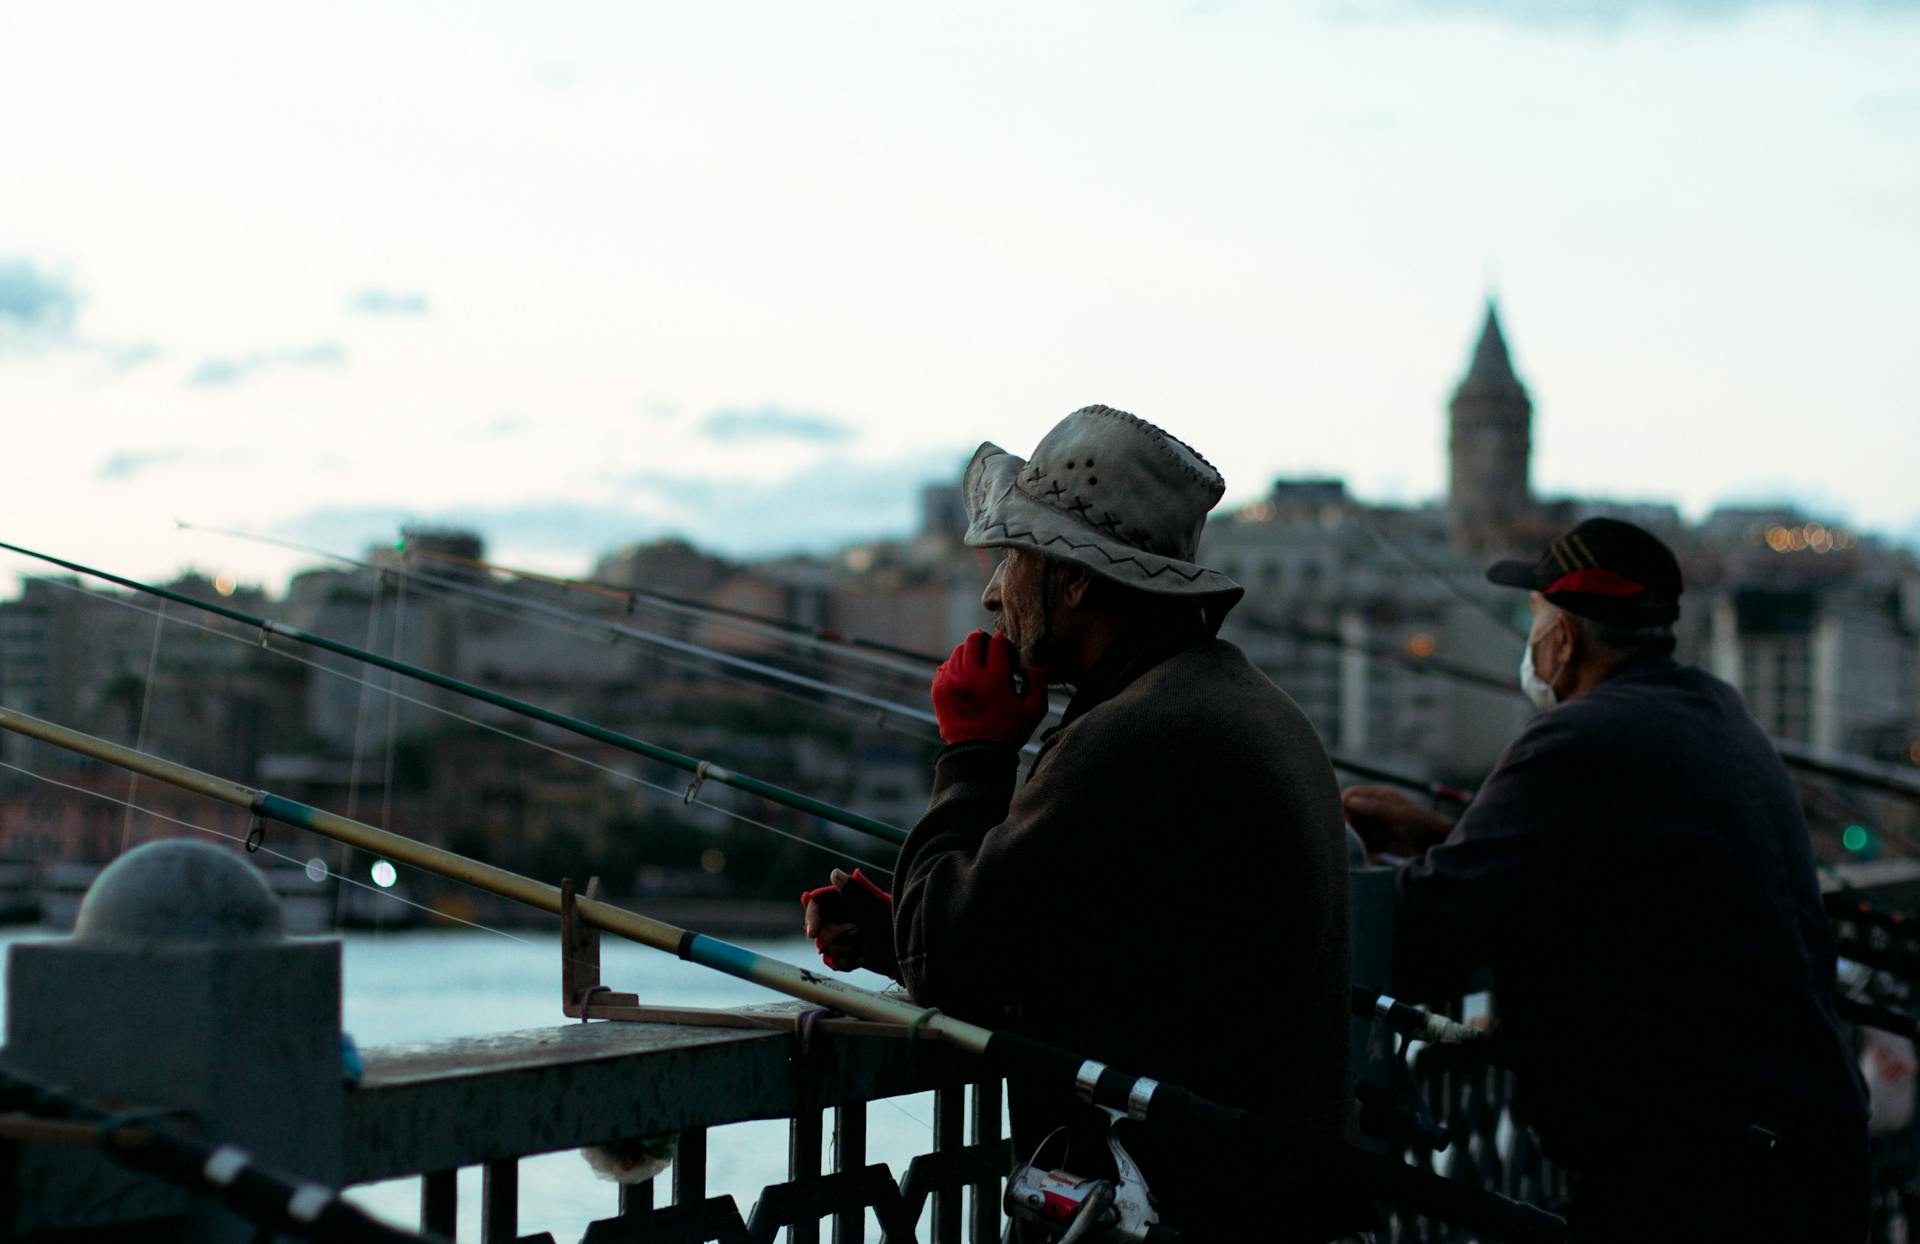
<point>586,998</point>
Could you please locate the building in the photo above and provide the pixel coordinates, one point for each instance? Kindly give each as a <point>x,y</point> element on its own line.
<point>1489,449</point>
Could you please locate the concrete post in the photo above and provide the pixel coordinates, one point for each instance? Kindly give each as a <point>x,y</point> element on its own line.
<point>178,990</point>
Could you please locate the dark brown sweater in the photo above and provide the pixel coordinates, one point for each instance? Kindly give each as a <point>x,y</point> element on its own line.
<point>1166,893</point>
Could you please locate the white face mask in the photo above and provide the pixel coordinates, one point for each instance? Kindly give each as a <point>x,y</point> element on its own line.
<point>1538,689</point>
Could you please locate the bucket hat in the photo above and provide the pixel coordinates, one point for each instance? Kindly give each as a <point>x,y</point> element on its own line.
<point>1109,491</point>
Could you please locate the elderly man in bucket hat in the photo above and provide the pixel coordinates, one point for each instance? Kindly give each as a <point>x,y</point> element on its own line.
<point>1639,851</point>
<point>1167,891</point>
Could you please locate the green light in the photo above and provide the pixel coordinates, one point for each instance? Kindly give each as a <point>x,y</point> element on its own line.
<point>1855,837</point>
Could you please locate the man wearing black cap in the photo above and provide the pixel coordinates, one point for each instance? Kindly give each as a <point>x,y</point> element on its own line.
<point>1637,875</point>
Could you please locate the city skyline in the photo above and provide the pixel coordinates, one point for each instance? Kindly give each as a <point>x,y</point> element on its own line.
<point>754,280</point>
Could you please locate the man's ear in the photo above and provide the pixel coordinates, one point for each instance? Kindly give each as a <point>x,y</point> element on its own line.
<point>1075,588</point>
<point>1576,636</point>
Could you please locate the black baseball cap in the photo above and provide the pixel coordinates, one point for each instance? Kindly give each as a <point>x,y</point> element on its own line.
<point>1603,569</point>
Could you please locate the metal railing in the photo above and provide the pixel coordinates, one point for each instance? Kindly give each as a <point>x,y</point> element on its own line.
<point>432,1109</point>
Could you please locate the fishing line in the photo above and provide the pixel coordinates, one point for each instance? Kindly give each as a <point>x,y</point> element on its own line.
<point>1896,781</point>
<point>1380,537</point>
<point>387,894</point>
<point>140,733</point>
<point>757,670</point>
<point>262,849</point>
<point>393,711</point>
<point>366,700</point>
<point>353,766</point>
<point>870,652</point>
<point>1851,811</point>
<point>885,716</point>
<point>433,912</point>
<point>702,769</point>
<point>621,774</point>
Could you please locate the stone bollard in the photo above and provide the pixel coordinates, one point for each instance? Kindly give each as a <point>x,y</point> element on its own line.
<point>178,991</point>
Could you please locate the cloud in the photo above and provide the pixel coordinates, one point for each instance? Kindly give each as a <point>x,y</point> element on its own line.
<point>116,358</point>
<point>541,526</point>
<point>37,314</point>
<point>821,509</point>
<point>35,304</point>
<point>129,463</point>
<point>214,372</point>
<point>390,302</point>
<point>771,423</point>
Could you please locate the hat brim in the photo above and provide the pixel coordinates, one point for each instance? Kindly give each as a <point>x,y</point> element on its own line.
<point>1000,515</point>
<point>1515,574</point>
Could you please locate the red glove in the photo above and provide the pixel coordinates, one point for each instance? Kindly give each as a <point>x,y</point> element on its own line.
<point>853,924</point>
<point>976,696</point>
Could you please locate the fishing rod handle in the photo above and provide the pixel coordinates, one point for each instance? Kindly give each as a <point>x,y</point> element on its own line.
<point>1413,1021</point>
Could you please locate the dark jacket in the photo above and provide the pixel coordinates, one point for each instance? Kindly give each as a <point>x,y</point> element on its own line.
<point>1637,873</point>
<point>1167,893</point>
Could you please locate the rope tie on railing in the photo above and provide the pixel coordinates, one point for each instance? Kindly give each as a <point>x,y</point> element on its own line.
<point>914,1024</point>
<point>804,1025</point>
<point>587,995</point>
<point>701,772</point>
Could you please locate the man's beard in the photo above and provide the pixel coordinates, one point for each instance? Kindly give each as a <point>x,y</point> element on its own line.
<point>1045,650</point>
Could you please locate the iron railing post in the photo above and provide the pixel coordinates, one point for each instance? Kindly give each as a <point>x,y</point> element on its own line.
<point>949,1133</point>
<point>850,1154</point>
<point>440,1202</point>
<point>985,1217</point>
<point>500,1202</point>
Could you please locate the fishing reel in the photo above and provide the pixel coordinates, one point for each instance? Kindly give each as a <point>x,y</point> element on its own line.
<point>1081,1208</point>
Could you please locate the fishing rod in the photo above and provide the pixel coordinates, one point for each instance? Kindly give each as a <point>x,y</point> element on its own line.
<point>1893,779</point>
<point>1889,778</point>
<point>702,770</point>
<point>1167,1111</point>
<point>279,1204</point>
<point>1383,652</point>
<point>743,665</point>
<point>1884,777</point>
<point>823,634</point>
<point>846,645</point>
<point>1437,790</point>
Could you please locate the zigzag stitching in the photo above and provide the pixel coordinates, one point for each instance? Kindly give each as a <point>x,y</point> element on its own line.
<point>1011,534</point>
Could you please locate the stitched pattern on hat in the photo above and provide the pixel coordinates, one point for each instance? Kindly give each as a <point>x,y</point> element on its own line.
<point>1076,546</point>
<point>1212,479</point>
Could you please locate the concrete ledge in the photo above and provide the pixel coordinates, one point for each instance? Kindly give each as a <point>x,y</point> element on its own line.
<point>444,1104</point>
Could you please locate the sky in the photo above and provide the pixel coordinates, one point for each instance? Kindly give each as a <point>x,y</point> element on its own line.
<point>754,273</point>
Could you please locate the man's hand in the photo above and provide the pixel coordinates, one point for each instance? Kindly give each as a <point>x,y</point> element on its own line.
<point>980,693</point>
<point>851,924</point>
<point>1389,822</point>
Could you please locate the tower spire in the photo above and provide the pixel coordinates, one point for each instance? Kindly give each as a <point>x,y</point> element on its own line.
<point>1489,445</point>
<point>1492,367</point>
